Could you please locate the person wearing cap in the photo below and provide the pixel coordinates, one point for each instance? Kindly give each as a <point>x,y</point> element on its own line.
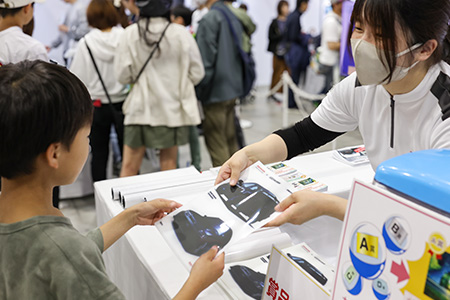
<point>15,45</point>
<point>330,44</point>
<point>162,103</point>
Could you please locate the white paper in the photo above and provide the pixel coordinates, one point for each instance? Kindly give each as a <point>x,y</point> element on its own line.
<point>224,215</point>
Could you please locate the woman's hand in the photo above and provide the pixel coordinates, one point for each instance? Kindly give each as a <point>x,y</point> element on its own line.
<point>233,167</point>
<point>270,149</point>
<point>303,206</point>
<point>148,213</point>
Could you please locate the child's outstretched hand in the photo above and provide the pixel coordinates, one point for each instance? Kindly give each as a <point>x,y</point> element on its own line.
<point>206,270</point>
<point>148,213</point>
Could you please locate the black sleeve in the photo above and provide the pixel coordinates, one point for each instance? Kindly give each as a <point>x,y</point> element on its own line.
<point>305,136</point>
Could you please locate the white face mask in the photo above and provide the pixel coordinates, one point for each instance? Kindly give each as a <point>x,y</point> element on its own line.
<point>369,67</point>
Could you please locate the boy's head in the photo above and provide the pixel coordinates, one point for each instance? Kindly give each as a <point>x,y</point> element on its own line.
<point>181,15</point>
<point>40,104</point>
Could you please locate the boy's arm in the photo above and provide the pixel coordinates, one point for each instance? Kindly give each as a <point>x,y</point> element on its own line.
<point>206,270</point>
<point>147,213</point>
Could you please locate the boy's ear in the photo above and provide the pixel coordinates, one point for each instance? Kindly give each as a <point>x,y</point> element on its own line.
<point>53,154</point>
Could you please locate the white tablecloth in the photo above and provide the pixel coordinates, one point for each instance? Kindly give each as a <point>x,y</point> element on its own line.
<point>143,266</point>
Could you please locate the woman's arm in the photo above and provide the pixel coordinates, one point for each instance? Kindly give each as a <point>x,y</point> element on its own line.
<point>270,149</point>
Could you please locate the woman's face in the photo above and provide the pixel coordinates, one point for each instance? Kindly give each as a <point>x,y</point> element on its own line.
<point>366,33</point>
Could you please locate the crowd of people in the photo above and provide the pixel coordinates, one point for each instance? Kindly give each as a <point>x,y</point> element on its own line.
<point>155,81</point>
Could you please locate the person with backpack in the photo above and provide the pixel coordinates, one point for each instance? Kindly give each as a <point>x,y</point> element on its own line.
<point>223,82</point>
<point>163,62</point>
<point>298,55</point>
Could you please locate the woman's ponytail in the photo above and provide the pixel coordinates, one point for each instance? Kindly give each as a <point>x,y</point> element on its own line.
<point>446,47</point>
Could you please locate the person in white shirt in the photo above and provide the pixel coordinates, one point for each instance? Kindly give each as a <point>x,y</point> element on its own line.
<point>162,103</point>
<point>197,15</point>
<point>398,97</point>
<point>102,40</point>
<point>16,46</point>
<point>330,45</point>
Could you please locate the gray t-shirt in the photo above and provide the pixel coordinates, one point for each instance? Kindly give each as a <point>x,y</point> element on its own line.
<point>44,257</point>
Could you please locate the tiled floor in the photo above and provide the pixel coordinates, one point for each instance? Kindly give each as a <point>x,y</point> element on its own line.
<point>265,117</point>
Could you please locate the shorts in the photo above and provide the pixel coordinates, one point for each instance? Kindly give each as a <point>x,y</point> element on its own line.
<point>156,137</point>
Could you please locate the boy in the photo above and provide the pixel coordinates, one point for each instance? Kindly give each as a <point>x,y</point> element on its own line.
<point>45,119</point>
<point>15,45</point>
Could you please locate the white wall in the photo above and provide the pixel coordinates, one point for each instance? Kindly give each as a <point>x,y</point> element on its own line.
<point>50,13</point>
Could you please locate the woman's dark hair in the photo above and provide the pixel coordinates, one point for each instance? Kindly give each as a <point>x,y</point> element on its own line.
<point>40,104</point>
<point>280,6</point>
<point>419,20</point>
<point>102,14</point>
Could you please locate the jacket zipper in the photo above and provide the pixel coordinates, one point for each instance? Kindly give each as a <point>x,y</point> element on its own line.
<point>392,120</point>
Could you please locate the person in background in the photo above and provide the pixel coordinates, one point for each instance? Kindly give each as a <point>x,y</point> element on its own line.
<point>45,116</point>
<point>222,84</point>
<point>197,15</point>
<point>15,45</point>
<point>102,41</point>
<point>132,8</point>
<point>181,15</point>
<point>298,55</point>
<point>276,45</point>
<point>243,6</point>
<point>398,97</point>
<point>162,103</point>
<point>73,28</point>
<point>330,44</point>
<point>247,23</point>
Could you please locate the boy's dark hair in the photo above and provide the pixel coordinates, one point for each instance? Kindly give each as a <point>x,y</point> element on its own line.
<point>419,20</point>
<point>4,12</point>
<point>102,14</point>
<point>40,104</point>
<point>184,12</point>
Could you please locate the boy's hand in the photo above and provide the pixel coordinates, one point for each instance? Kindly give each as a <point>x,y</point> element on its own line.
<point>207,269</point>
<point>148,213</point>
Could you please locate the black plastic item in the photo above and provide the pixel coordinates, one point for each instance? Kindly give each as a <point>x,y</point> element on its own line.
<point>198,234</point>
<point>305,265</point>
<point>250,282</point>
<point>248,200</point>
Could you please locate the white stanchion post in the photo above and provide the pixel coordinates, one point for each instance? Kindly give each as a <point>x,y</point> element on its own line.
<point>285,103</point>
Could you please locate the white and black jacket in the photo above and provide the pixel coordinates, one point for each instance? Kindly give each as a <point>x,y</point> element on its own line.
<point>390,125</point>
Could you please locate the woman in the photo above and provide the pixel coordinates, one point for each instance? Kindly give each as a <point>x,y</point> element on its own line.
<point>276,46</point>
<point>102,40</point>
<point>398,97</point>
<point>162,102</point>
